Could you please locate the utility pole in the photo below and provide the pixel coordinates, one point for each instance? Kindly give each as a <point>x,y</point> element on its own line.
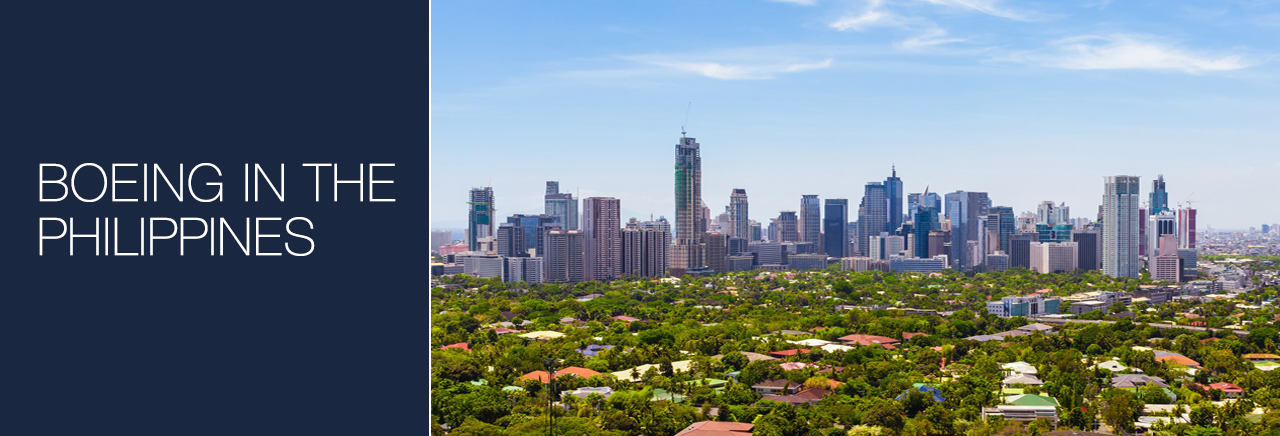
<point>550,364</point>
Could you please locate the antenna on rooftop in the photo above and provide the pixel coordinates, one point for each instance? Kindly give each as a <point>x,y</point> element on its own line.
<point>686,119</point>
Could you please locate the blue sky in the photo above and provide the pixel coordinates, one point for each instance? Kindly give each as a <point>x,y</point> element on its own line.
<point>1026,100</point>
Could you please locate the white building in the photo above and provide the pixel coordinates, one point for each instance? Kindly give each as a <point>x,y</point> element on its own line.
<point>1166,266</point>
<point>1120,226</point>
<point>1051,257</point>
<point>885,245</point>
<point>523,269</point>
<point>479,264</point>
<point>931,265</point>
<point>1164,223</point>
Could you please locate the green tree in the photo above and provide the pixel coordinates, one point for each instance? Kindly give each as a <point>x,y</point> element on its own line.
<point>1121,409</point>
<point>885,413</point>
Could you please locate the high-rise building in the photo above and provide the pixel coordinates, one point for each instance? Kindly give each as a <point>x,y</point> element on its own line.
<point>835,227</point>
<point>964,210</point>
<point>768,253</point>
<point>884,245</point>
<point>717,251</point>
<point>853,240</point>
<point>1142,231</point>
<point>931,199</point>
<point>1088,249</point>
<point>1020,246</point>
<point>644,250</point>
<point>1159,198</point>
<point>480,222</point>
<point>523,269</point>
<point>562,206</point>
<point>1052,257</point>
<point>1188,256</point>
<point>602,227</point>
<point>788,227</point>
<point>739,224</point>
<point>998,261</point>
<point>1044,213</point>
<point>810,225</point>
<point>477,264</point>
<point>687,251</point>
<point>923,221</point>
<point>1187,228</point>
<point>939,243</point>
<point>565,261</point>
<point>1159,225</point>
<point>873,215</point>
<point>511,241</point>
<point>1120,226</point>
<point>756,233</point>
<point>1060,232</point>
<point>1001,223</point>
<point>1166,265</point>
<point>531,225</point>
<point>440,238</point>
<point>893,193</point>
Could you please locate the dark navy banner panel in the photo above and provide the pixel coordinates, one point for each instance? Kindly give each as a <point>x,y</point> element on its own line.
<point>330,336</point>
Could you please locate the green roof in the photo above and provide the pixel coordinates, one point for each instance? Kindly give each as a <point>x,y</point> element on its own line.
<point>513,388</point>
<point>662,394</point>
<point>710,382</point>
<point>481,382</point>
<point>1031,400</point>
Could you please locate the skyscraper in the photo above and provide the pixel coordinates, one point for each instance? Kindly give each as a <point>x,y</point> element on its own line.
<point>602,226</point>
<point>511,241</point>
<point>1159,198</point>
<point>1002,224</point>
<point>565,261</point>
<point>440,238</point>
<point>687,251</point>
<point>925,220</point>
<point>931,199</point>
<point>1187,228</point>
<point>788,227</point>
<point>739,223</point>
<point>1087,240</point>
<point>893,193</point>
<point>964,210</point>
<point>479,217</point>
<point>835,227</point>
<point>644,251</point>
<point>1159,225</point>
<point>1120,211</point>
<point>873,215</point>
<point>532,224</point>
<point>717,249</point>
<point>810,219</point>
<point>562,206</point>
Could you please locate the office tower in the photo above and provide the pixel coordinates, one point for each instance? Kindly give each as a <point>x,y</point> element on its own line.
<point>1060,232</point>
<point>706,217</point>
<point>1158,225</point>
<point>931,199</point>
<point>1187,228</point>
<point>1188,257</point>
<point>531,225</point>
<point>807,262</point>
<point>565,261</point>
<point>1044,213</point>
<point>523,269</point>
<point>835,227</point>
<point>1165,265</point>
<point>481,265</point>
<point>788,227</point>
<point>922,223</point>
<point>852,248</point>
<point>511,241</point>
<point>737,245</point>
<point>1020,249</point>
<point>479,217</point>
<point>772,233</point>
<point>1159,198</point>
<point>768,253</point>
<point>964,210</point>
<point>1120,226</point>
<point>644,252</point>
<point>884,245</point>
<point>562,206</point>
<point>687,251</point>
<point>873,215</point>
<point>721,223</point>
<point>1052,257</point>
<point>1001,222</point>
<point>1087,248</point>
<point>717,251</point>
<point>998,261</point>
<point>893,193</point>
<point>1266,228</point>
<point>1142,231</point>
<point>739,224</point>
<point>755,231</point>
<point>602,226</point>
<point>810,224</point>
<point>1026,223</point>
<point>939,243</point>
<point>440,238</point>
<point>1062,214</point>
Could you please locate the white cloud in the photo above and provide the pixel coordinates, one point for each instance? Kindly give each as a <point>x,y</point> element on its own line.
<point>871,16</point>
<point>927,39</point>
<point>987,7</point>
<point>1122,52</point>
<point>734,71</point>
<point>796,2</point>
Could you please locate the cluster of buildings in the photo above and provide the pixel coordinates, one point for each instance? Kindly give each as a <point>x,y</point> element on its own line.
<point>887,230</point>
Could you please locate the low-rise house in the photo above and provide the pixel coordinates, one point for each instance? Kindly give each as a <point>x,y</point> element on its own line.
<point>717,428</point>
<point>811,342</point>
<point>572,371</point>
<point>866,340</point>
<point>604,391</point>
<point>504,330</point>
<point>788,353</point>
<point>1014,368</point>
<point>831,348</point>
<point>1011,333</point>
<point>624,318</point>
<point>1255,358</point>
<point>543,335</point>
<point>635,375</point>
<point>776,387</point>
<point>663,395</point>
<point>1021,379</point>
<point>593,350</point>
<point>934,393</point>
<point>1037,327</point>
<point>1133,381</point>
<point>458,346</point>
<point>1165,356</point>
<point>751,356</point>
<point>713,383</point>
<point>1229,391</point>
<point>589,297</point>
<point>906,336</point>
<point>985,338</point>
<point>807,396</point>
<point>1116,367</point>
<point>1025,407</point>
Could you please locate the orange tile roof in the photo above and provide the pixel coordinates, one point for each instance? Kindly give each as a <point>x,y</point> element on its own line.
<point>575,371</point>
<point>861,339</point>
<point>461,346</point>
<point>1181,360</point>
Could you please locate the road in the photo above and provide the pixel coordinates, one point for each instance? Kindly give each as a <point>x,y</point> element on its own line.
<point>1060,321</point>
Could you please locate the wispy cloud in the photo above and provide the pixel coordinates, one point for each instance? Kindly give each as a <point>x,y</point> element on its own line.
<point>871,16</point>
<point>733,71</point>
<point>927,39</point>
<point>988,7</point>
<point>1123,52</point>
<point>797,2</point>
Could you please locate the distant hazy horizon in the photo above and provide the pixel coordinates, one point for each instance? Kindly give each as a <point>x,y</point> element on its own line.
<point>1027,101</point>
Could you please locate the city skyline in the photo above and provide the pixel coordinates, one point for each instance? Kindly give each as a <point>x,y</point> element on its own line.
<point>1029,102</point>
